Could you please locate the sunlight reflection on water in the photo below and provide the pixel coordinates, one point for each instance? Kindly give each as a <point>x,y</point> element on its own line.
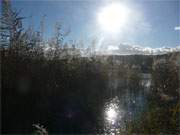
<point>113,116</point>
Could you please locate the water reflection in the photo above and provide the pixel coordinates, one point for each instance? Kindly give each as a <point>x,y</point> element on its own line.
<point>113,116</point>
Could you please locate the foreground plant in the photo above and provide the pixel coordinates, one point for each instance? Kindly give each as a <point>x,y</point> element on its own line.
<point>39,130</point>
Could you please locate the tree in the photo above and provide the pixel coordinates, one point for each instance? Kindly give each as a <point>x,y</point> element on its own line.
<point>166,81</point>
<point>11,25</point>
<point>4,28</point>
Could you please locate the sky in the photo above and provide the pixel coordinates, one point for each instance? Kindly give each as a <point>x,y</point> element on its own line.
<point>150,23</point>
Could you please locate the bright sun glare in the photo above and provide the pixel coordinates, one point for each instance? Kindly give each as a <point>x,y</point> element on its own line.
<point>111,114</point>
<point>113,17</point>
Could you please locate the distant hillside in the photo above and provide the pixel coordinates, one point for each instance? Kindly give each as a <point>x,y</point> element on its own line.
<point>141,62</point>
<point>126,49</point>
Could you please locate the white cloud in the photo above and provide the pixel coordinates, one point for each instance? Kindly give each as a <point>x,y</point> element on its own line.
<point>177,28</point>
<point>128,49</point>
<point>112,48</point>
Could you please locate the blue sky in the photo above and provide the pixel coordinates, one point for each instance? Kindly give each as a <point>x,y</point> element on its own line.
<point>152,24</point>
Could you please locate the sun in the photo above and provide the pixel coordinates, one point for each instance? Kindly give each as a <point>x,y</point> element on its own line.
<point>113,17</point>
